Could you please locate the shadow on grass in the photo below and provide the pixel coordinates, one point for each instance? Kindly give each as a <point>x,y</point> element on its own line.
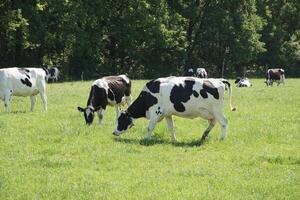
<point>156,141</point>
<point>13,112</point>
<point>19,112</point>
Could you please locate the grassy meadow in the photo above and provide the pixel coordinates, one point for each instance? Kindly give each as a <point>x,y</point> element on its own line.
<point>54,155</point>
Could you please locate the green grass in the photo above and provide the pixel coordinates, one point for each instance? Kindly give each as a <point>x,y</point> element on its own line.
<point>54,155</point>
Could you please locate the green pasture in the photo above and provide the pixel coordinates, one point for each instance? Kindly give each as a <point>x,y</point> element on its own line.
<point>54,155</point>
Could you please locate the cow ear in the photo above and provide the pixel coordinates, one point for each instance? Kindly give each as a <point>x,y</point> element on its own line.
<point>80,109</point>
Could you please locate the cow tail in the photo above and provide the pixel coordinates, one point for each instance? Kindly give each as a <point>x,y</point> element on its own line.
<point>230,94</point>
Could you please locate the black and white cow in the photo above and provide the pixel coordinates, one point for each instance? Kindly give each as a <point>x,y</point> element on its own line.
<point>109,90</point>
<point>186,97</point>
<point>275,75</point>
<point>197,72</point>
<point>242,82</point>
<point>23,82</point>
<point>53,73</point>
<point>201,73</point>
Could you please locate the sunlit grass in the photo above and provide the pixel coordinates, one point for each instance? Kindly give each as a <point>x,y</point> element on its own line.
<point>54,155</point>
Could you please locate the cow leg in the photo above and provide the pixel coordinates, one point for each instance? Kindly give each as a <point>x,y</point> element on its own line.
<point>223,122</point>
<point>151,126</point>
<point>6,102</point>
<point>211,123</point>
<point>33,100</point>
<point>100,115</point>
<point>156,115</point>
<point>44,99</point>
<point>171,128</point>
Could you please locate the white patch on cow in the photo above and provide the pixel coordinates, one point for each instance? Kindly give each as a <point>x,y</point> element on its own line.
<point>88,112</point>
<point>123,76</point>
<point>101,84</point>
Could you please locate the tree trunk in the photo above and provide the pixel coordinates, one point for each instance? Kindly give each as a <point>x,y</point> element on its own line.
<point>239,70</point>
<point>189,50</point>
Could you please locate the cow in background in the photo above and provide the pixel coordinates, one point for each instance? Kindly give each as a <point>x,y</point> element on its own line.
<point>23,82</point>
<point>109,90</point>
<point>201,73</point>
<point>197,72</point>
<point>275,75</point>
<point>242,82</point>
<point>52,73</point>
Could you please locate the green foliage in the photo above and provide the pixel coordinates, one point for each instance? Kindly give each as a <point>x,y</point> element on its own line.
<point>150,38</point>
<point>281,34</point>
<point>54,155</point>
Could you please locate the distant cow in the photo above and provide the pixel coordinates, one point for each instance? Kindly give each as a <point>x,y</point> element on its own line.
<point>109,90</point>
<point>186,97</point>
<point>201,73</point>
<point>275,75</point>
<point>23,82</point>
<point>242,82</point>
<point>197,72</point>
<point>52,73</point>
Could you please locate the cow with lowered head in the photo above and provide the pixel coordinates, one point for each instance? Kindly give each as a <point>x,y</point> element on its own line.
<point>186,97</point>
<point>275,75</point>
<point>23,82</point>
<point>109,90</point>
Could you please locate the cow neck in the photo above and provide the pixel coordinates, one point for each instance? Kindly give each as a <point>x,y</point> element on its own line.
<point>136,109</point>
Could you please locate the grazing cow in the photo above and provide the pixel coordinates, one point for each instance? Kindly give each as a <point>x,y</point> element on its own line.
<point>53,73</point>
<point>186,97</point>
<point>109,90</point>
<point>242,82</point>
<point>23,82</point>
<point>201,73</point>
<point>276,75</point>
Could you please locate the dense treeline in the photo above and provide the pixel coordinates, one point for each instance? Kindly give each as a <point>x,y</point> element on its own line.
<point>151,38</point>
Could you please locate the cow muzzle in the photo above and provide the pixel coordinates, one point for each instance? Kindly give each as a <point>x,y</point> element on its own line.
<point>116,133</point>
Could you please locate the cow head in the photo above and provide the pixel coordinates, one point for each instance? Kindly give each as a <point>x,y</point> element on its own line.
<point>124,122</point>
<point>88,114</point>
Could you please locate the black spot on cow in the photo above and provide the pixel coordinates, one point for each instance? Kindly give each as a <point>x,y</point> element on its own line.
<point>209,88</point>
<point>24,72</point>
<point>97,97</point>
<point>153,86</point>
<point>26,82</point>
<point>143,102</point>
<point>181,94</point>
<point>195,94</point>
<point>158,111</point>
<point>46,70</point>
<point>52,72</point>
<point>124,121</point>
